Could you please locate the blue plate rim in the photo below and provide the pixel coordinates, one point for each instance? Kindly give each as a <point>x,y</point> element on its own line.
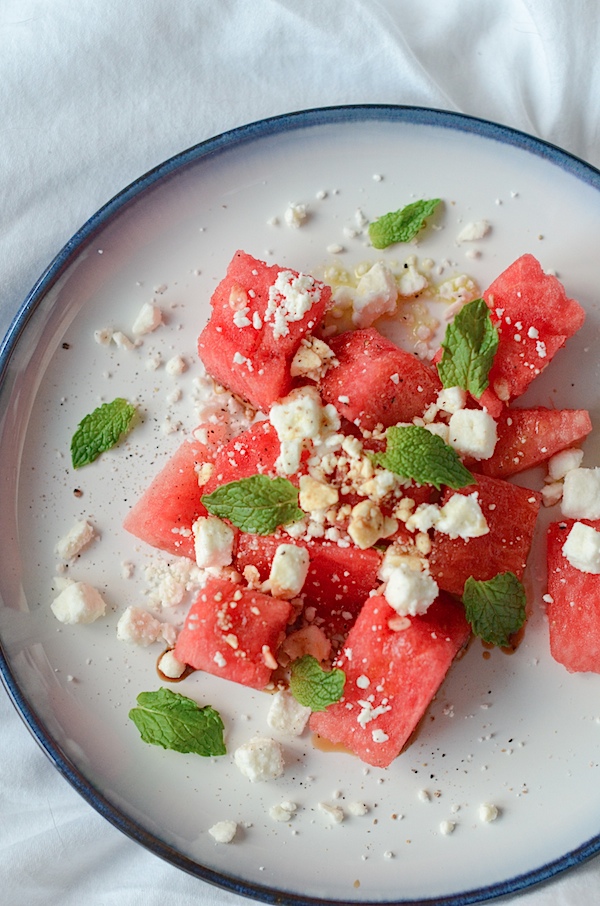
<point>223,142</point>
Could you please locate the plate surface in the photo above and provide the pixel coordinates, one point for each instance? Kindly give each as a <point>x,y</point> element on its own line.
<point>517,731</point>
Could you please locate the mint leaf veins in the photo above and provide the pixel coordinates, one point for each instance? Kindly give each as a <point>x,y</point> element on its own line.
<point>414,452</point>
<point>314,687</point>
<point>257,504</point>
<point>402,225</point>
<point>171,720</point>
<point>469,346</point>
<point>100,430</point>
<point>495,608</point>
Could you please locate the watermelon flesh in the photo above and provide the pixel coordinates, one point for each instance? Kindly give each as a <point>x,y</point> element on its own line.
<point>573,609</point>
<point>233,632</point>
<point>256,327</point>
<point>163,516</point>
<point>391,677</point>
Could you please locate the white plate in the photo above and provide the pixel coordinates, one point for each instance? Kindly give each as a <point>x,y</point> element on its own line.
<point>516,731</point>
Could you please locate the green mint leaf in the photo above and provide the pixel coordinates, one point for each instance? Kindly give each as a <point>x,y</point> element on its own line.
<point>495,608</point>
<point>469,346</point>
<point>258,504</point>
<point>171,720</point>
<point>314,687</point>
<point>402,225</point>
<point>414,452</point>
<point>100,430</point>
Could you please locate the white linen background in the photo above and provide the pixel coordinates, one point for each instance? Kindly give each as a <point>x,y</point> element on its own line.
<point>93,93</point>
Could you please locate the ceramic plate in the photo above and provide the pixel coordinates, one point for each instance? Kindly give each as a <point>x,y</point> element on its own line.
<point>518,731</point>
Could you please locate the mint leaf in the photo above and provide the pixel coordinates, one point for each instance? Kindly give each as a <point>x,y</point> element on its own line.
<point>469,346</point>
<point>171,720</point>
<point>314,687</point>
<point>100,430</point>
<point>495,608</point>
<point>402,225</point>
<point>258,504</point>
<point>414,452</point>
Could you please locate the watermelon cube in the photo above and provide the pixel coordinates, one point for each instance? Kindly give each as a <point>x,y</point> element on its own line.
<point>252,452</point>
<point>391,676</point>
<point>535,318</point>
<point>260,314</point>
<point>233,632</point>
<point>376,382</point>
<point>164,514</point>
<point>529,437</point>
<point>511,512</point>
<point>573,609</point>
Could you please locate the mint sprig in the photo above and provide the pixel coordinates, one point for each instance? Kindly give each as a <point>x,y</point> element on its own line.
<point>314,687</point>
<point>414,452</point>
<point>469,345</point>
<point>100,430</point>
<point>257,504</point>
<point>495,608</point>
<point>402,225</point>
<point>171,720</point>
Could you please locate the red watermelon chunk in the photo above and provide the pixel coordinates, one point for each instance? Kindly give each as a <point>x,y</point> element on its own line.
<point>529,437</point>
<point>535,318</point>
<point>252,452</point>
<point>164,514</point>
<point>391,677</point>
<point>233,632</point>
<point>376,382</point>
<point>511,513</point>
<point>338,581</point>
<point>260,314</point>
<point>573,610</point>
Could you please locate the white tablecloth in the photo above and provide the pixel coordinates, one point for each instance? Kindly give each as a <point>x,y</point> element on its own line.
<point>94,93</point>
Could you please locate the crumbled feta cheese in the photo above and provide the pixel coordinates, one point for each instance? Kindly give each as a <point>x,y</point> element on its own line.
<point>170,666</point>
<point>148,319</point>
<point>358,809</point>
<point>375,295</point>
<point>168,582</point>
<point>140,627</point>
<point>411,281</point>
<point>488,812</point>
<point>312,359</point>
<point>462,517</point>
<point>176,365</point>
<point>447,827</point>
<point>581,494</point>
<point>368,524</point>
<point>295,214</point>
<point>582,548</point>
<point>289,570</point>
<point>474,230</point>
<point>223,831</point>
<point>552,493</point>
<point>334,813</point>
<point>286,715</point>
<point>103,336</point>
<point>77,538</point>
<point>298,419</point>
<point>473,432</point>
<point>122,341</point>
<point>563,462</point>
<point>285,811</point>
<point>213,542</point>
<point>290,298</point>
<point>78,603</point>
<point>451,399</point>
<point>316,495</point>
<point>410,590</point>
<point>260,759</point>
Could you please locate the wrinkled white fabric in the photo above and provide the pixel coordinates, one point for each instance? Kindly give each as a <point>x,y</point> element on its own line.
<point>94,93</point>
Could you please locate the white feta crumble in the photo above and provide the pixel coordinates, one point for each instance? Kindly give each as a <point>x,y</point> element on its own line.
<point>582,548</point>
<point>334,813</point>
<point>488,812</point>
<point>285,811</point>
<point>447,827</point>
<point>140,627</point>
<point>289,570</point>
<point>358,809</point>
<point>375,295</point>
<point>176,365</point>
<point>581,494</point>
<point>286,715</point>
<point>451,399</point>
<point>223,831</point>
<point>122,341</point>
<point>295,214</point>
<point>462,517</point>
<point>411,282</point>
<point>78,603</point>
<point>260,759</point>
<point>552,492</point>
<point>473,432</point>
<point>213,542</point>
<point>77,538</point>
<point>170,666</point>
<point>410,589</point>
<point>299,418</point>
<point>473,231</point>
<point>148,319</point>
<point>563,462</point>
<point>103,336</point>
